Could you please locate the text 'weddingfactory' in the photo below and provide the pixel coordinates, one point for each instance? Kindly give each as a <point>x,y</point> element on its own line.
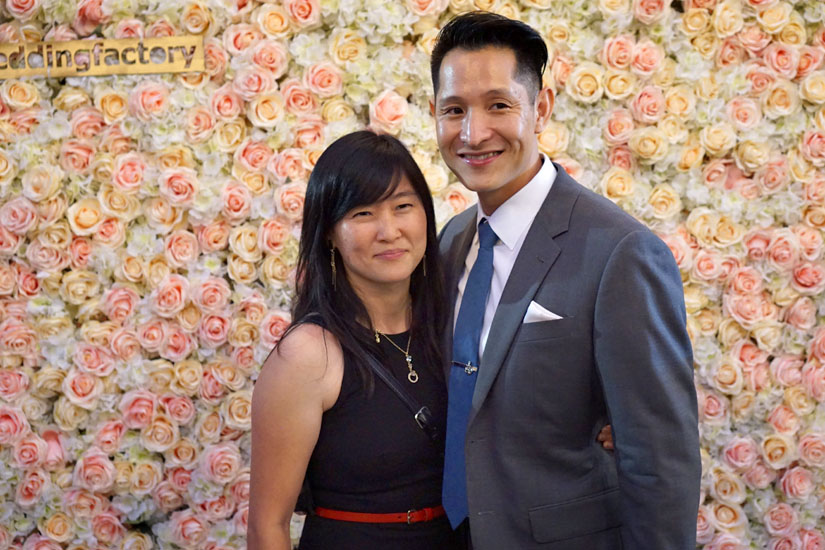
<point>171,54</point>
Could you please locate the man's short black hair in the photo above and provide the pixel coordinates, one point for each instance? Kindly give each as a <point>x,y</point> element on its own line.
<point>480,29</point>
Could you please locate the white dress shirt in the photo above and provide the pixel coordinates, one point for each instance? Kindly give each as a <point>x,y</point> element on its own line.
<point>510,222</point>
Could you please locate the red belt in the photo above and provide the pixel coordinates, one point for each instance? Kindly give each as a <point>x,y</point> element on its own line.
<point>410,516</point>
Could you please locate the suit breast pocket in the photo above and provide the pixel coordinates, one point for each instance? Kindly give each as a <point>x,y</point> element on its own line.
<point>547,330</point>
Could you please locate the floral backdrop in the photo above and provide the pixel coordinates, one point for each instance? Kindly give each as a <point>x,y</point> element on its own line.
<point>148,237</point>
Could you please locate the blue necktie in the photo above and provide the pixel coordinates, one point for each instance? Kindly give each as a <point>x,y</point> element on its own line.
<point>463,374</point>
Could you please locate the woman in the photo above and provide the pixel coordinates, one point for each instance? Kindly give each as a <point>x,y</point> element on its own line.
<point>369,295</point>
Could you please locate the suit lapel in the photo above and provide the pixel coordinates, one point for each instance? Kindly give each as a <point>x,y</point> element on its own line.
<point>534,261</point>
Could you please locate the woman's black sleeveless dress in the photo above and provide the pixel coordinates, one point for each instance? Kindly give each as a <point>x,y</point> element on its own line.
<point>372,457</point>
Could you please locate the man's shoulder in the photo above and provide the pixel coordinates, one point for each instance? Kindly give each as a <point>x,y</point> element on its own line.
<point>456,225</point>
<point>592,210</point>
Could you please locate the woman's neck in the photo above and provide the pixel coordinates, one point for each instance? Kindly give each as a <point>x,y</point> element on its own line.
<point>388,308</point>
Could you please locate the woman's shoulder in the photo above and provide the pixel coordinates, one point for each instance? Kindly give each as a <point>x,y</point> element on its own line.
<point>308,354</point>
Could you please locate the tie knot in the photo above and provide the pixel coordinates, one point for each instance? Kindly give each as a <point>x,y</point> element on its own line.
<point>487,238</point>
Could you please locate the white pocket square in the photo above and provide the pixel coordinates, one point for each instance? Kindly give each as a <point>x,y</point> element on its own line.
<point>536,313</point>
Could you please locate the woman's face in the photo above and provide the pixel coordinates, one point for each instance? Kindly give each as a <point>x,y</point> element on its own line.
<point>382,243</point>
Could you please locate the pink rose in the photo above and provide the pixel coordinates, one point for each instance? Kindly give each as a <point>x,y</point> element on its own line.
<point>797,484</point>
<point>785,543</point>
<point>304,14</point>
<point>177,345</point>
<point>226,103</point>
<point>179,185</point>
<point>107,528</point>
<point>114,141</point>
<point>423,8</point>
<point>621,156</point>
<point>298,99</point>
<point>216,509</point>
<point>726,541</point>
<point>812,539</point>
<point>749,309</point>
<point>127,175</point>
<point>783,59</point>
<point>87,122</point>
<point>109,435</point>
<point>808,278</point>
<point>773,176</point>
<point>757,241</point>
<point>787,369</point>
<point>272,56</point>
<point>810,59</point>
<point>619,127</point>
<point>273,327</point>
<point>31,487</point>
<point>561,69</point>
<point>94,471</point>
<point>813,380</point>
<point>753,39</point>
<point>784,250</point>
<point>308,132</point>
<point>801,314</point>
<point>236,202</point>
<point>149,100</point>
<point>647,57</point>
<point>251,82</point>
<point>244,358</point>
<point>781,519</point>
<point>760,77</point>
<point>715,173</point>
<point>213,330</point>
<point>730,53</point>
<point>30,451</point>
<point>744,113</point>
<point>179,408</point>
<point>617,51</point>
<point>713,408</point>
<point>152,333</point>
<point>199,124</point>
<point>188,530</point>
<point>180,248</point>
<point>253,155</point>
<point>290,200</point>
<point>211,390</point>
<point>214,236</point>
<point>680,248</point>
<point>119,303</point>
<point>649,105</point>
<point>759,476</point>
<point>707,265</point>
<point>237,38</point>
<point>93,359</point>
<point>650,11</point>
<point>783,420</point>
<point>810,240</point>
<point>179,478</point>
<point>324,79</point>
<point>273,234</point>
<point>9,242</point>
<point>813,147</point>
<point>76,156</point>
<point>138,408</point>
<point>212,294</point>
<point>22,10</point>
<point>741,453</point>
<point>220,463</point>
<point>124,344</point>
<point>290,164</point>
<point>812,450</point>
<point>166,498</point>
<point>17,338</point>
<point>129,28</point>
<point>55,453</point>
<point>387,112</point>
<point>817,344</point>
<point>46,258</point>
<point>82,389</point>
<point>746,280</point>
<point>704,525</point>
<point>89,15</point>
<point>215,59</point>
<point>241,519</point>
<point>239,489</point>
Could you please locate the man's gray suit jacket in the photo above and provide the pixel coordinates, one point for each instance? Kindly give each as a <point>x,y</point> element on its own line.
<point>536,476</point>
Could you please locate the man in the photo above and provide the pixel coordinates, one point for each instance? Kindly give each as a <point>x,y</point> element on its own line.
<point>576,312</point>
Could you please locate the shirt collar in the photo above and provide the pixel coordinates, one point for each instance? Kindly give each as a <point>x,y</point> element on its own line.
<point>512,219</point>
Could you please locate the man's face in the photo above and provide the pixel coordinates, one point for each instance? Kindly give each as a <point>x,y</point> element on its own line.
<point>486,123</point>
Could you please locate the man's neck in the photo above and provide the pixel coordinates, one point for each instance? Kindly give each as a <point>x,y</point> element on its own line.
<point>491,201</point>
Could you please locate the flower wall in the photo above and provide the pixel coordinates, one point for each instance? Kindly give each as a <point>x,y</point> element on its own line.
<point>148,237</point>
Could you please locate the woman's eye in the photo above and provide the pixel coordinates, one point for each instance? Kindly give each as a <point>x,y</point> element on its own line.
<point>361,214</point>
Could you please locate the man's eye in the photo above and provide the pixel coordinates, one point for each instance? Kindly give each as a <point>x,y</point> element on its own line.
<point>452,111</point>
<point>500,106</point>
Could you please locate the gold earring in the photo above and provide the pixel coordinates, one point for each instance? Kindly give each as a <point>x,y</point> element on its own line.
<point>332,264</point>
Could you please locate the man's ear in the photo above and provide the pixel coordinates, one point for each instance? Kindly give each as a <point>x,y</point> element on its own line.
<point>432,107</point>
<point>545,101</point>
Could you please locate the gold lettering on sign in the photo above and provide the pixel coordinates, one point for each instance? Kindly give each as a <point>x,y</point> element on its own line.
<point>170,54</point>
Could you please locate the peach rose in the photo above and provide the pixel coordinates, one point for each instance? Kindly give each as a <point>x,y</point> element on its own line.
<point>149,100</point>
<point>253,155</point>
<point>215,60</point>
<point>273,327</point>
<point>226,103</point>
<point>424,8</point>
<point>220,463</point>
<point>30,451</point>
<point>166,498</point>
<point>82,389</point>
<point>801,314</point>
<point>236,201</point>
<point>199,124</point>
<point>181,248</point>
<point>649,144</point>
<point>30,488</point>
<point>94,471</point>
<point>137,408</point>
<point>179,408</point>
<point>783,420</point>
<point>109,435</point>
<point>812,449</point>
<point>128,172</point>
<point>250,82</point>
<point>813,147</point>
<point>781,519</point>
<point>810,59</point>
<point>649,105</point>
<point>273,234</point>
<point>187,529</point>
<point>22,10</point>
<point>727,517</point>
<point>290,200</point>
<point>266,111</point>
<point>797,484</point>
<point>107,528</point>
<point>808,278</point>
<point>387,111</point>
<point>323,79</point>
<point>289,164</point>
<point>87,122</point>
<point>18,215</point>
<point>160,434</point>
<point>308,133</point>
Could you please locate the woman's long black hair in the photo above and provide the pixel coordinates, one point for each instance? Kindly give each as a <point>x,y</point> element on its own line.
<point>358,169</point>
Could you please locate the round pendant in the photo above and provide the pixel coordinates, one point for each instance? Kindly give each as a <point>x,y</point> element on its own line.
<point>412,376</point>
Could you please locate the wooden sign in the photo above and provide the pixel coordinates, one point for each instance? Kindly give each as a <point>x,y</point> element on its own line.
<point>172,54</point>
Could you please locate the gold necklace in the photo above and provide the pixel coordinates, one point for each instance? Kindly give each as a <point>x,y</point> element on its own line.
<point>412,376</point>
